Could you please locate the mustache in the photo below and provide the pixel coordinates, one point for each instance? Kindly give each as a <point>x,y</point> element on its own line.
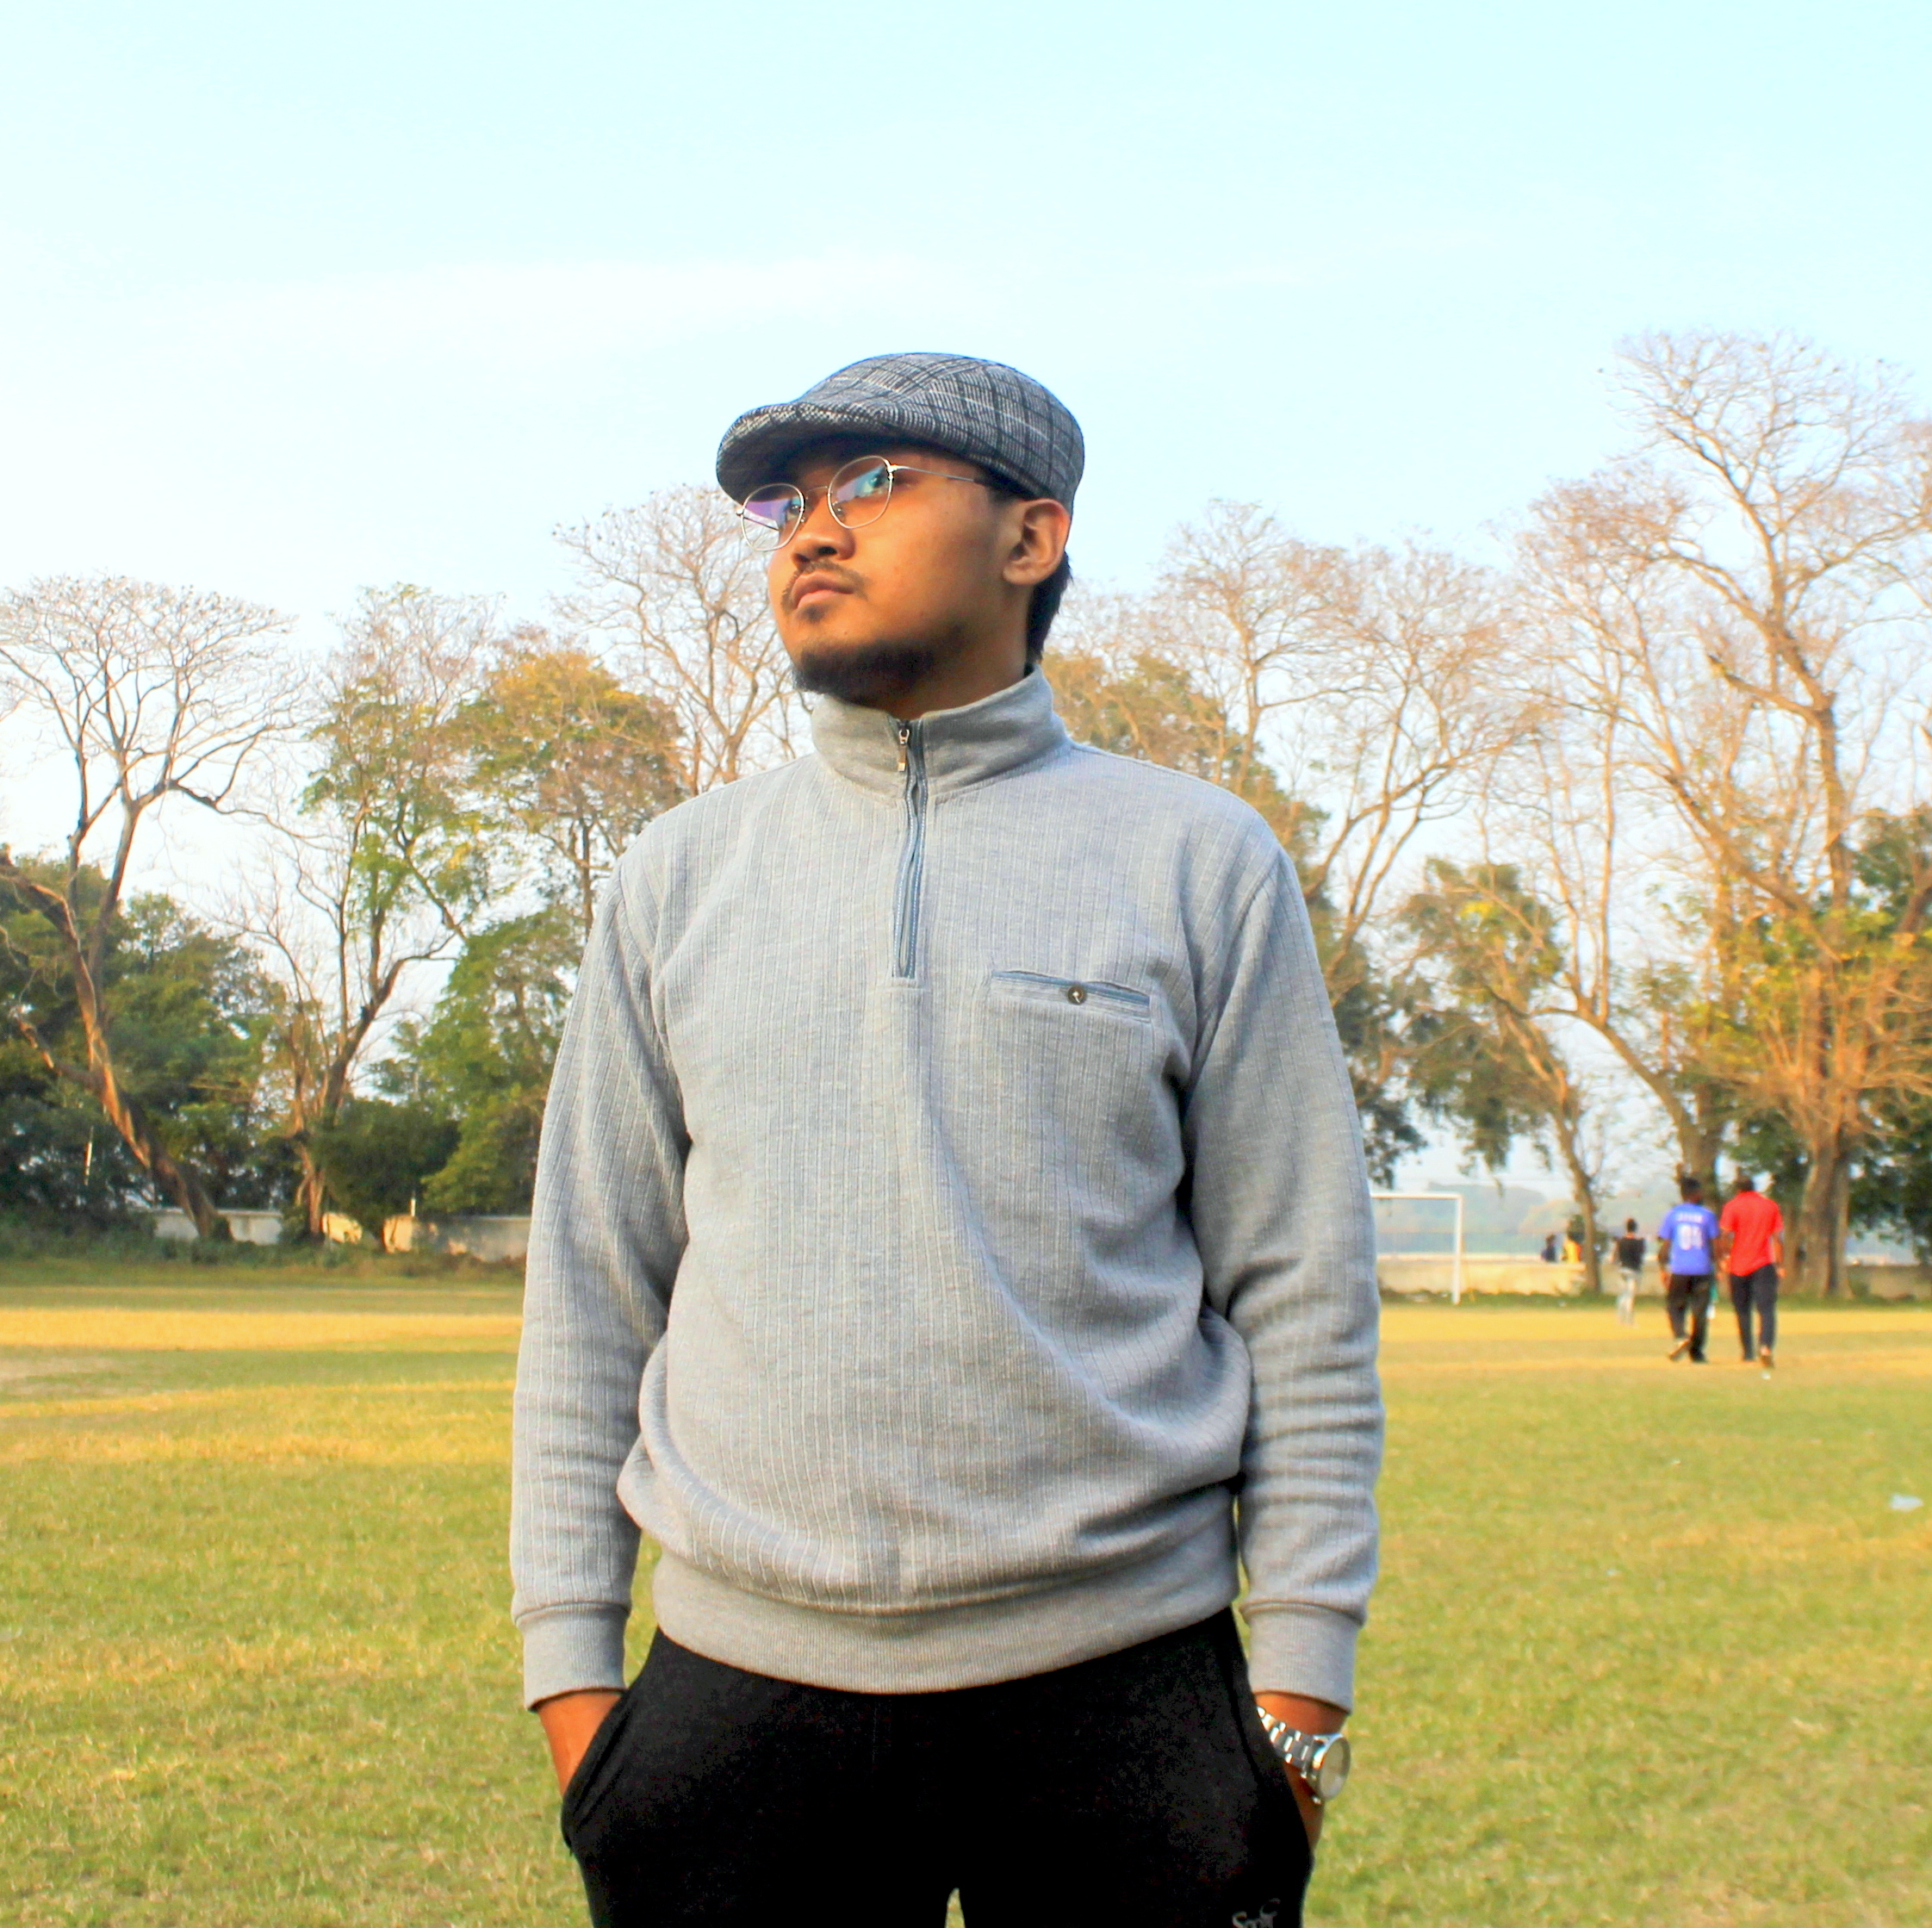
<point>831,572</point>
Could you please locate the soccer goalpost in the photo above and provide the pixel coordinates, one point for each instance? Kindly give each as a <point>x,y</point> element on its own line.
<point>1453,1198</point>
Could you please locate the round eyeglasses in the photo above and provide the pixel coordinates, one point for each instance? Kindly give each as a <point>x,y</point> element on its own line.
<point>856,494</point>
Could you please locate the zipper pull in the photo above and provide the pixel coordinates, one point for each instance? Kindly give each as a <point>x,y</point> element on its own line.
<point>905,737</point>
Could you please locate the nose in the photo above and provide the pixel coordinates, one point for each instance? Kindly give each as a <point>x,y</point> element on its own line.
<point>819,532</point>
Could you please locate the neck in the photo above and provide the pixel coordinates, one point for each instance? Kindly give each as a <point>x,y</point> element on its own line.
<point>952,686</point>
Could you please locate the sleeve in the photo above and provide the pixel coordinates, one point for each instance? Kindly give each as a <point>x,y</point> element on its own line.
<point>1727,1219</point>
<point>606,1236</point>
<point>1279,1199</point>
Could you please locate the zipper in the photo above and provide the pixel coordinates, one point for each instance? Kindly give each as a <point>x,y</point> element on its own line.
<point>912,853</point>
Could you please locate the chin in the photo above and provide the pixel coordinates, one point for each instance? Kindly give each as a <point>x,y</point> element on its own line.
<point>868,673</point>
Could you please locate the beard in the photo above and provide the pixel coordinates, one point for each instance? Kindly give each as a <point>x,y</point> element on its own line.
<point>871,674</point>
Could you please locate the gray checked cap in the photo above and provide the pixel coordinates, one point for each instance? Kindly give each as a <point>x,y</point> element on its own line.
<point>986,411</point>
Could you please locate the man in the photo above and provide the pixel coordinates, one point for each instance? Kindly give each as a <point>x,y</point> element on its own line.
<point>1630,1249</point>
<point>951,1200</point>
<point>1753,1248</point>
<point>1687,1244</point>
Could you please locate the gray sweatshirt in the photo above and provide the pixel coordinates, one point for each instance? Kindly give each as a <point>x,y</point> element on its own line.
<point>951,1213</point>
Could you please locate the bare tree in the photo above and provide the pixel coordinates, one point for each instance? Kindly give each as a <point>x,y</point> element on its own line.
<point>146,693</point>
<point>672,587</point>
<point>1360,696</point>
<point>1745,596</point>
<point>1644,942</point>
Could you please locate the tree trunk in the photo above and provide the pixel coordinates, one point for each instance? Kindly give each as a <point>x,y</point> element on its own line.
<point>169,1174</point>
<point>1697,1157</point>
<point>1584,1192</point>
<point>1593,1250</point>
<point>311,1192</point>
<point>171,1177</point>
<point>1824,1213</point>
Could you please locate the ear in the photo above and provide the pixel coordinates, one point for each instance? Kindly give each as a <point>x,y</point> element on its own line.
<point>1036,537</point>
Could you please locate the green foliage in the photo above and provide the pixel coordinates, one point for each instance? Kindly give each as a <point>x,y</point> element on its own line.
<point>1373,1018</point>
<point>560,754</point>
<point>1891,1189</point>
<point>191,1015</point>
<point>1491,948</point>
<point>377,1155</point>
<point>485,1057</point>
<point>391,774</point>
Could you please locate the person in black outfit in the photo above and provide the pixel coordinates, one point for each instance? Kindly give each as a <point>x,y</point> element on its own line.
<point>1630,1249</point>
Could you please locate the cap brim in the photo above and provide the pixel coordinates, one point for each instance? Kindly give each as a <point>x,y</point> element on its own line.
<point>757,446</point>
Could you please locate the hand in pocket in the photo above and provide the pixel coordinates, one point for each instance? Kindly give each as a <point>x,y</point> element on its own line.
<point>570,1723</point>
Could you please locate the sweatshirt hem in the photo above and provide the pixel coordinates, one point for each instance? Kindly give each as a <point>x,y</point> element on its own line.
<point>973,1645</point>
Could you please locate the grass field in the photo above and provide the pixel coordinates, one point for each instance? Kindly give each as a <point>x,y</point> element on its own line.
<point>1653,1646</point>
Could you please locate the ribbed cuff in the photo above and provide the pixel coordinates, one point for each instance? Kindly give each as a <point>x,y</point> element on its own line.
<point>572,1648</point>
<point>1301,1649</point>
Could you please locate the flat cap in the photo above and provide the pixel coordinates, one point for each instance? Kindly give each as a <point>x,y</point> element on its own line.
<point>986,411</point>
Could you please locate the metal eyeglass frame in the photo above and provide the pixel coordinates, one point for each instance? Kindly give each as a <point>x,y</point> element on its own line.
<point>762,535</point>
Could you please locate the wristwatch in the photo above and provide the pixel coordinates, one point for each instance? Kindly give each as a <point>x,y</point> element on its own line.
<point>1319,1760</point>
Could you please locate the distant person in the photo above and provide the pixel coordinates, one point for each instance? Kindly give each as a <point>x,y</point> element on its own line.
<point>1549,1253</point>
<point>1573,1249</point>
<point>1752,1246</point>
<point>1687,1255</point>
<point>1630,1249</point>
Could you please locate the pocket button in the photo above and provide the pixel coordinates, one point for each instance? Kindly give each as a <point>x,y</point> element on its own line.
<point>1075,994</point>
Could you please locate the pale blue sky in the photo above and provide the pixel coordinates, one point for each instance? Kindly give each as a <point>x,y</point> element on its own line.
<point>292,300</point>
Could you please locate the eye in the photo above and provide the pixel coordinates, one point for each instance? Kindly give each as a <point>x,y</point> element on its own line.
<point>867,482</point>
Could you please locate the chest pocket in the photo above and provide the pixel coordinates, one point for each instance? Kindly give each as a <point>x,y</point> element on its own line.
<point>1113,1000</point>
<point>1083,1099</point>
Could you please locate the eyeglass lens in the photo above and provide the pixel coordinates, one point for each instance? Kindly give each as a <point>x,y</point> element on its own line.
<point>857,495</point>
<point>771,512</point>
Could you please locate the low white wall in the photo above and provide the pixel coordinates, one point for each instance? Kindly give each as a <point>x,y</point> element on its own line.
<point>1482,1272</point>
<point>246,1226</point>
<point>1889,1278</point>
<point>1880,1279</point>
<point>496,1239</point>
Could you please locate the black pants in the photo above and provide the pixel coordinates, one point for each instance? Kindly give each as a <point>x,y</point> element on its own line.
<point>1136,1791</point>
<point>1758,1289</point>
<point>1689,1294</point>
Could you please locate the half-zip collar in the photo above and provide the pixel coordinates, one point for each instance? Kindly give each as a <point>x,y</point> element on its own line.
<point>1000,733</point>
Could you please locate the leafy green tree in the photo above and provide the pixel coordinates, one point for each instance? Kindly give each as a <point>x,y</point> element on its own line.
<point>390,863</point>
<point>568,760</point>
<point>484,1059</point>
<point>190,1013</point>
<point>378,1154</point>
<point>1486,1055</point>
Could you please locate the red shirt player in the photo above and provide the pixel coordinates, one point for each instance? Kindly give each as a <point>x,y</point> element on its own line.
<point>1752,1247</point>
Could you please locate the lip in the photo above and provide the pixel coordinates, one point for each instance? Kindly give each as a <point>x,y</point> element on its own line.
<point>809,588</point>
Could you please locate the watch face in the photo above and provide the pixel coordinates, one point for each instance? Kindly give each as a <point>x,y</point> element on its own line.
<point>1331,1770</point>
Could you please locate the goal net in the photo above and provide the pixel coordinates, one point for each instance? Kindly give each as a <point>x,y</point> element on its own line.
<point>1422,1225</point>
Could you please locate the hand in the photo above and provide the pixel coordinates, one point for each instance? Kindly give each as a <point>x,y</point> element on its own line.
<point>1310,1717</point>
<point>570,1723</point>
